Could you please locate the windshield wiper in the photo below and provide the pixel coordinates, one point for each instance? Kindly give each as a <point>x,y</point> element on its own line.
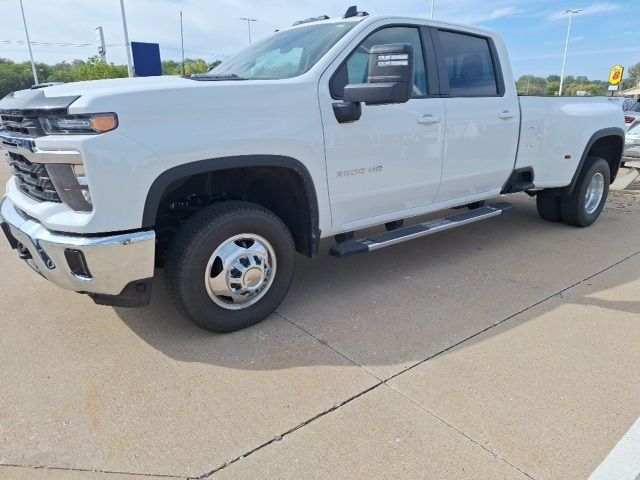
<point>215,78</point>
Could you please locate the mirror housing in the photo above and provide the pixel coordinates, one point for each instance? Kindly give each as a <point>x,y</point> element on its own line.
<point>390,76</point>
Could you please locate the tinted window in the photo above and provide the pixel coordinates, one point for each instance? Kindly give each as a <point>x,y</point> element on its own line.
<point>355,69</point>
<point>469,64</point>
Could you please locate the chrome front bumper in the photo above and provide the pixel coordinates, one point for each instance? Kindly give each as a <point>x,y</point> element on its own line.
<point>103,267</point>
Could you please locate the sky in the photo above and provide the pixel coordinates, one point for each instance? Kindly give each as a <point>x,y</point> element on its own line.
<point>603,35</point>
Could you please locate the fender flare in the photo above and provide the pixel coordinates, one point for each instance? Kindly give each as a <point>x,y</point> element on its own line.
<point>160,184</point>
<point>605,132</point>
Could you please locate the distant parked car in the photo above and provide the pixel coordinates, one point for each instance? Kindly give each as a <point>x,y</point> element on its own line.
<point>632,142</point>
<point>628,103</point>
<point>632,116</point>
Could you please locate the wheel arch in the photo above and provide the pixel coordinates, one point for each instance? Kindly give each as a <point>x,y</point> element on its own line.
<point>607,143</point>
<point>304,210</point>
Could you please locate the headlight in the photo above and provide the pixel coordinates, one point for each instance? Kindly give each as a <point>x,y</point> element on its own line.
<point>71,184</point>
<point>90,124</point>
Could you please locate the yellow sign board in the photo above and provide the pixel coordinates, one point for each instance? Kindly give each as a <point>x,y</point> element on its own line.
<point>615,77</point>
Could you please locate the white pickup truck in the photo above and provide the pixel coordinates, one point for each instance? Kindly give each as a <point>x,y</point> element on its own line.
<point>319,130</point>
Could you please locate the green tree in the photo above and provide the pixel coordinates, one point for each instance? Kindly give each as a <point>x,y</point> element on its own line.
<point>633,74</point>
<point>14,76</point>
<point>198,65</point>
<point>95,69</point>
<point>531,85</point>
<point>553,87</point>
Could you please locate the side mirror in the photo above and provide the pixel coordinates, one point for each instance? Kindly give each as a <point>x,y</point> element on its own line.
<point>390,78</point>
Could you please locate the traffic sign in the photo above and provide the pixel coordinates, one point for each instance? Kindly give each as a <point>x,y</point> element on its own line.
<point>615,77</point>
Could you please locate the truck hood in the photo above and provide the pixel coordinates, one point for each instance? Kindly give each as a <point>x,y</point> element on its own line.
<point>117,86</point>
<point>59,97</point>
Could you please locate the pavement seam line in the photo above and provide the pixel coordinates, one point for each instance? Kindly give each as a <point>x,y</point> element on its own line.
<point>291,430</point>
<point>384,382</point>
<point>326,344</point>
<point>484,330</point>
<point>471,439</point>
<point>89,470</point>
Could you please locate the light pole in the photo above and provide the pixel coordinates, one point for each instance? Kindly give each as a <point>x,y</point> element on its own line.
<point>249,20</point>
<point>182,41</point>
<point>433,7</point>
<point>26,32</point>
<point>566,45</point>
<point>127,45</point>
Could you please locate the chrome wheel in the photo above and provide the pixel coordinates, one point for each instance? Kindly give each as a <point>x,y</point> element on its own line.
<point>594,194</point>
<point>240,271</point>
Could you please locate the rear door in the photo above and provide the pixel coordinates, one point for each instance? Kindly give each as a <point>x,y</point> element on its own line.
<point>482,115</point>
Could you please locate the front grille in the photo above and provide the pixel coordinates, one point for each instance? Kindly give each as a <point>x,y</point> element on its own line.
<point>32,179</point>
<point>24,126</point>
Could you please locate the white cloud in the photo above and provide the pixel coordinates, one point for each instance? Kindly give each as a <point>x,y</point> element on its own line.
<point>562,42</point>
<point>579,53</point>
<point>494,14</point>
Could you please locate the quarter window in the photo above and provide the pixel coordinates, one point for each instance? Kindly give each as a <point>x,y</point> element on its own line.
<point>469,64</point>
<point>355,69</point>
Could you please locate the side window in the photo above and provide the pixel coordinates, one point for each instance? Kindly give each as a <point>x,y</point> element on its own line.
<point>469,64</point>
<point>354,70</point>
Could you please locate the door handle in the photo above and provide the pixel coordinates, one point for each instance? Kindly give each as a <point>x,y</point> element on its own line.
<point>506,115</point>
<point>428,120</point>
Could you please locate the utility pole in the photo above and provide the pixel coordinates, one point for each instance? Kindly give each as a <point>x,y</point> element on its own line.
<point>433,7</point>
<point>249,20</point>
<point>566,45</point>
<point>102,49</point>
<point>182,41</point>
<point>26,32</point>
<point>127,45</point>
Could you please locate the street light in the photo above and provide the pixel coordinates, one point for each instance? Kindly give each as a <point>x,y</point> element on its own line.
<point>26,32</point>
<point>566,45</point>
<point>127,45</point>
<point>182,41</point>
<point>433,7</point>
<point>249,20</point>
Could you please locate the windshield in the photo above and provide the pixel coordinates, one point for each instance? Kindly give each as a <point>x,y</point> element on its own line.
<point>635,108</point>
<point>284,55</point>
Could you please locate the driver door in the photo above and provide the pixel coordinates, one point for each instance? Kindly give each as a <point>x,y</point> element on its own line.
<point>390,160</point>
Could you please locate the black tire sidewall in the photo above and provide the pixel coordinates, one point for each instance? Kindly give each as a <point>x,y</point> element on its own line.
<point>195,299</point>
<point>548,207</point>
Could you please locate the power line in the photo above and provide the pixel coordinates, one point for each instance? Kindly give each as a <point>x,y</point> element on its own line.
<point>47,44</point>
<point>91,45</point>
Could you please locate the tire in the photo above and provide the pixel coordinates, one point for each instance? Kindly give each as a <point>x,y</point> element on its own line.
<point>576,209</point>
<point>239,234</point>
<point>549,207</point>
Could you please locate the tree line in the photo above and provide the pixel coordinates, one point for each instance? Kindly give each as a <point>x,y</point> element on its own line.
<point>580,85</point>
<point>18,76</point>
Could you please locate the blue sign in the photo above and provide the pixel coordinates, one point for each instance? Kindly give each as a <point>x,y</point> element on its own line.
<point>146,59</point>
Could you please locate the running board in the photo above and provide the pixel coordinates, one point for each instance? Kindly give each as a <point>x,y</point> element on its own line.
<point>375,242</point>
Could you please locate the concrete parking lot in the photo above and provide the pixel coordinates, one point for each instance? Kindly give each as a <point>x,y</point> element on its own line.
<point>502,350</point>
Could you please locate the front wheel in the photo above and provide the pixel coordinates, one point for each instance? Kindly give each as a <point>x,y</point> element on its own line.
<point>230,266</point>
<point>585,204</point>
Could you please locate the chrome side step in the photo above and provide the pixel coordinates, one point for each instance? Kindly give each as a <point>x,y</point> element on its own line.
<point>382,240</point>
